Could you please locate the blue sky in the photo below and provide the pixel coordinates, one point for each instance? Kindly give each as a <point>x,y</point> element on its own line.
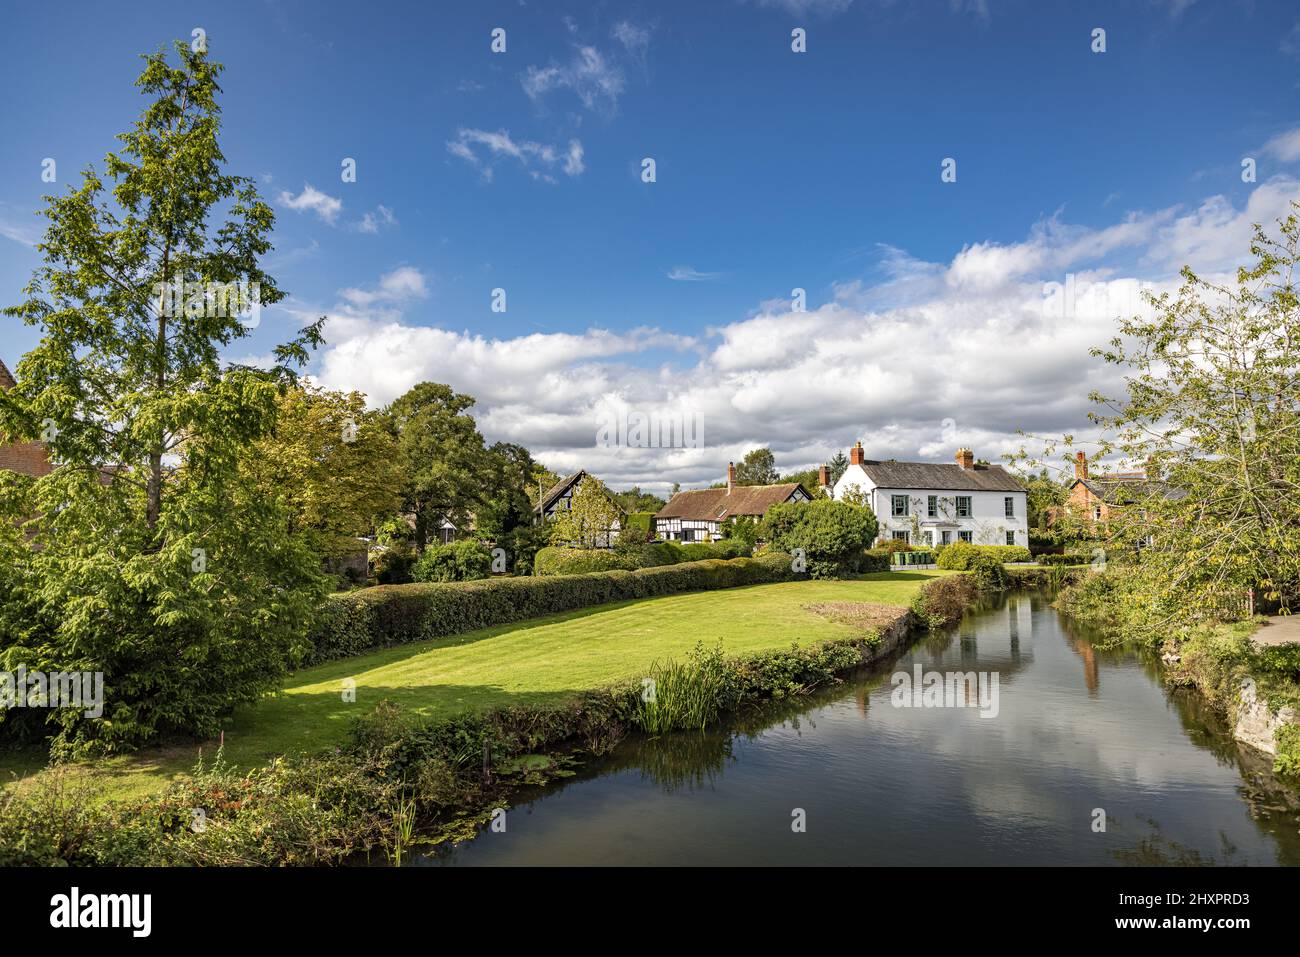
<point>775,170</point>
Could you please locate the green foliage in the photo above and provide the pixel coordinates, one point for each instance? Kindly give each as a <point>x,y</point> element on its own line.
<point>400,614</point>
<point>988,572</point>
<point>588,520</point>
<point>943,601</point>
<point>394,565</point>
<point>758,467</point>
<point>741,528</point>
<point>330,464</point>
<point>460,561</point>
<point>956,557</point>
<point>558,560</point>
<point>635,554</point>
<point>832,534</point>
<point>874,560</point>
<point>443,457</point>
<point>1210,374</point>
<point>959,556</point>
<point>505,517</point>
<point>638,525</point>
<point>149,554</point>
<point>686,696</point>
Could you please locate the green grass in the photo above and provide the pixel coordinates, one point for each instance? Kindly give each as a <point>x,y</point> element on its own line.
<point>535,662</point>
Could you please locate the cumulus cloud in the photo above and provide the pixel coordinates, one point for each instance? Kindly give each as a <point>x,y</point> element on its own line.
<point>312,200</point>
<point>919,360</point>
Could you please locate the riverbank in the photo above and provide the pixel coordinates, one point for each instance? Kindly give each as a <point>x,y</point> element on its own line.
<point>1255,686</point>
<point>395,765</point>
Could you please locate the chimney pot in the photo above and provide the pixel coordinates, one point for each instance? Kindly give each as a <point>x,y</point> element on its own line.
<point>966,458</point>
<point>856,454</point>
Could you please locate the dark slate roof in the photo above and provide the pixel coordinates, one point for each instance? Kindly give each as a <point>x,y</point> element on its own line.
<point>981,478</point>
<point>1123,489</point>
<point>715,505</point>
<point>6,380</point>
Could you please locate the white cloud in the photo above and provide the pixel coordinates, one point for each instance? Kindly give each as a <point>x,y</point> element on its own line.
<point>1285,146</point>
<point>635,38</point>
<point>536,158</point>
<point>312,200</point>
<point>372,222</point>
<point>400,285</point>
<point>588,75</point>
<point>690,274</point>
<point>928,357</point>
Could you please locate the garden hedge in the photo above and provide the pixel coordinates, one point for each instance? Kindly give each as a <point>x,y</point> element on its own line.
<point>959,555</point>
<point>384,615</point>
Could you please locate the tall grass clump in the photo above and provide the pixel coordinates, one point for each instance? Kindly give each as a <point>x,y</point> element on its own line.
<point>686,696</point>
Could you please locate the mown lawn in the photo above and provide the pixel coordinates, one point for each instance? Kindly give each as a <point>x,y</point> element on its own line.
<point>543,660</point>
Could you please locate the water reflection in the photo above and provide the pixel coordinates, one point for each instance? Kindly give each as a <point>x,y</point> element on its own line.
<point>1078,729</point>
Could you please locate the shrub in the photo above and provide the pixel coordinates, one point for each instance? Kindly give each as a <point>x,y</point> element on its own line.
<point>634,554</point>
<point>956,557</point>
<point>398,614</point>
<point>874,560</point>
<point>638,527</point>
<point>460,561</point>
<point>393,565</point>
<point>988,572</point>
<point>1058,560</point>
<point>942,601</point>
<point>891,545</point>
<point>832,534</point>
<point>559,560</point>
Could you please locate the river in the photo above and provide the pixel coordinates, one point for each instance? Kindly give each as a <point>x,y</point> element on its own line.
<point>1081,757</point>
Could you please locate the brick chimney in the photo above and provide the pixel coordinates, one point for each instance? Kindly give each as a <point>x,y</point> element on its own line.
<point>1080,465</point>
<point>731,476</point>
<point>856,454</point>
<point>824,476</point>
<point>966,458</point>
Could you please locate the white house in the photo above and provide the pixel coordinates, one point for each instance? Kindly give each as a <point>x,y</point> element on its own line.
<point>925,503</point>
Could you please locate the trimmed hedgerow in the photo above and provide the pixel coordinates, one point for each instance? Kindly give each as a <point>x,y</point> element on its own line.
<point>399,614</point>
<point>558,560</point>
<point>958,556</point>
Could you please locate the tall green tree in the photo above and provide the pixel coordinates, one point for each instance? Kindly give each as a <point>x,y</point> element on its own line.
<point>838,464</point>
<point>444,455</point>
<point>331,464</point>
<point>758,467</point>
<point>144,556</point>
<point>506,516</point>
<point>1211,413</point>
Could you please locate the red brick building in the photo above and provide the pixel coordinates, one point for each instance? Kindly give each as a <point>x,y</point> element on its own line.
<point>26,458</point>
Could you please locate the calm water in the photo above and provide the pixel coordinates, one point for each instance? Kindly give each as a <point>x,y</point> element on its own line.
<point>1076,729</point>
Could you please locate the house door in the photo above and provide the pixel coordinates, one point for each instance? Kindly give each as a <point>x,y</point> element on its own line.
<point>947,538</point>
